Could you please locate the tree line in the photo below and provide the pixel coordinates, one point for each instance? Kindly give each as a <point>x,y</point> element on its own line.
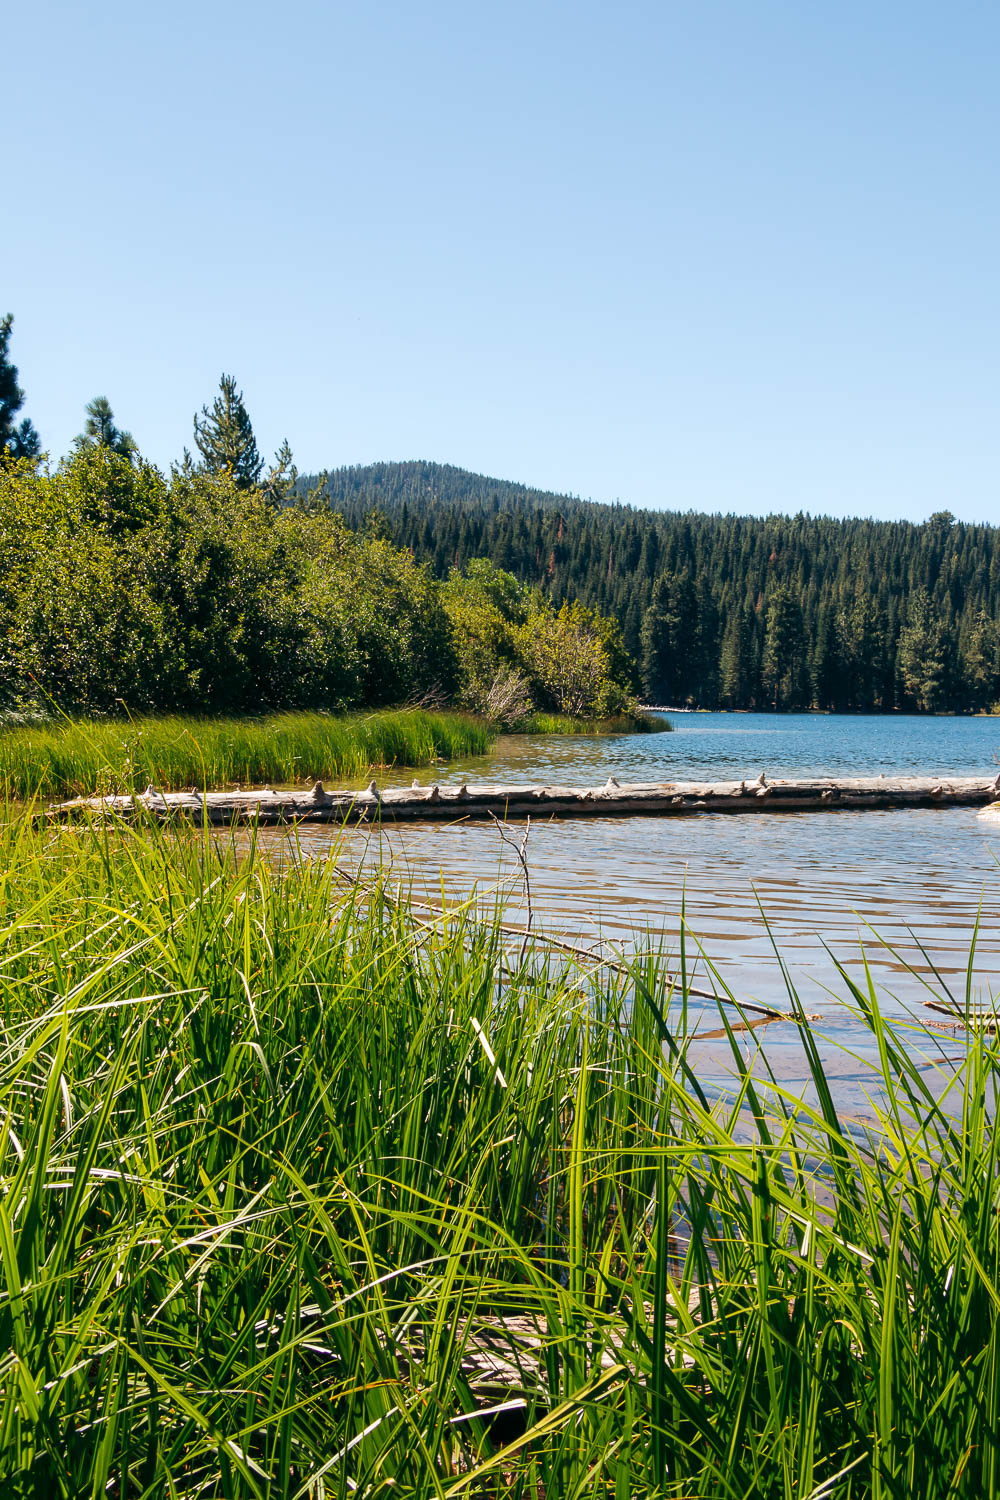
<point>225,587</point>
<point>776,612</point>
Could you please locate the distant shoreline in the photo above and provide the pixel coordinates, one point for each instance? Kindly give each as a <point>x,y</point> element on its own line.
<point>825,713</point>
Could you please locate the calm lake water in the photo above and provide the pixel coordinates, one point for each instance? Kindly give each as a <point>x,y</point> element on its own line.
<point>903,888</point>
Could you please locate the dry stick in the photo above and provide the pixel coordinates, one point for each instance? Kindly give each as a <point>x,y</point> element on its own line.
<point>986,1020</point>
<point>768,1012</point>
<point>590,955</point>
<point>520,852</point>
<point>623,968</point>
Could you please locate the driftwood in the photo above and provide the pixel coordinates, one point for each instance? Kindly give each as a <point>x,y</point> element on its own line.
<point>973,1018</point>
<point>615,799</point>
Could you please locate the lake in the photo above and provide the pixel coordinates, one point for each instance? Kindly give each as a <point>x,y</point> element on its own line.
<point>901,887</point>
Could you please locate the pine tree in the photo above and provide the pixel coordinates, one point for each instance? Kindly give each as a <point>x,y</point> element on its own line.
<point>671,658</point>
<point>659,674</point>
<point>17,441</point>
<point>981,662</point>
<point>225,439</point>
<point>705,686</point>
<point>738,688</point>
<point>827,663</point>
<point>100,431</point>
<point>921,658</point>
<point>279,485</point>
<point>783,666</point>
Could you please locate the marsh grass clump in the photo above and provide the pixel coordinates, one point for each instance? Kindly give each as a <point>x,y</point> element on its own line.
<point>303,1195</point>
<point>66,757</point>
<point>637,723</point>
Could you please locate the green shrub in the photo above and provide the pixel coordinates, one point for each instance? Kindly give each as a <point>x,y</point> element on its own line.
<point>516,653</point>
<point>121,589</point>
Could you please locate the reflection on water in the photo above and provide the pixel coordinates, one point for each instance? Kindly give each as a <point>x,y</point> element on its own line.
<point>818,887</point>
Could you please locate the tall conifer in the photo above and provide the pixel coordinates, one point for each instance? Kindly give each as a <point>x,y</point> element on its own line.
<point>17,440</point>
<point>225,439</point>
<point>101,431</point>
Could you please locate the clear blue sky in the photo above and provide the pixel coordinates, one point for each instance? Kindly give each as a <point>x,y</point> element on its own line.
<point>720,255</point>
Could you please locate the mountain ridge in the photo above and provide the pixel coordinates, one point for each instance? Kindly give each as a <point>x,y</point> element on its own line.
<point>393,477</point>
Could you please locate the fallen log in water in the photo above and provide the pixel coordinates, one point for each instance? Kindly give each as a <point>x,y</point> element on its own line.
<point>972,1017</point>
<point>419,803</point>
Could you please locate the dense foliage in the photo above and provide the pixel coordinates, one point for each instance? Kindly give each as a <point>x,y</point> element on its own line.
<point>731,611</point>
<point>123,589</point>
<point>230,587</point>
<point>515,649</point>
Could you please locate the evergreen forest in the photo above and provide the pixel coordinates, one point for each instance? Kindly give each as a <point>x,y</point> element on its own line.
<point>775,612</point>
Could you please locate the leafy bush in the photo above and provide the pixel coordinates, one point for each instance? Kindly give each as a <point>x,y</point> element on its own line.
<point>121,588</point>
<point>516,653</point>
<point>124,590</point>
<point>567,655</point>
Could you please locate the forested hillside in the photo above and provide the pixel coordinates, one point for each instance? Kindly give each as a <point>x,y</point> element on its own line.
<point>732,611</point>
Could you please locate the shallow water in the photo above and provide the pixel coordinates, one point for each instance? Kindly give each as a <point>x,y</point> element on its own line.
<point>902,888</point>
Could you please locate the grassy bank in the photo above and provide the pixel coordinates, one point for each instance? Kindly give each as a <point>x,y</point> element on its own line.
<point>299,1199</point>
<point>639,723</point>
<point>68,757</point>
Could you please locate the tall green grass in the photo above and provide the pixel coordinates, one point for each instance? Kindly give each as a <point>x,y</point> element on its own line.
<point>639,723</point>
<point>301,1196</point>
<point>63,758</point>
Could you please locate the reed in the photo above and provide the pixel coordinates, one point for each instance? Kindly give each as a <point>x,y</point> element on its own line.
<point>303,1196</point>
<point>68,757</point>
<point>638,723</point>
